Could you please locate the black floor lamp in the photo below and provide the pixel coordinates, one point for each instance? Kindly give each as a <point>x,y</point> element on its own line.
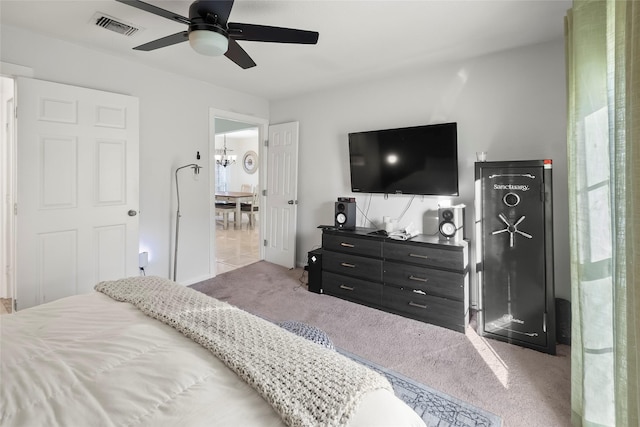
<point>196,171</point>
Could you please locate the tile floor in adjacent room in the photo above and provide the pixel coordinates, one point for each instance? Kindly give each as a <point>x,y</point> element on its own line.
<point>236,247</point>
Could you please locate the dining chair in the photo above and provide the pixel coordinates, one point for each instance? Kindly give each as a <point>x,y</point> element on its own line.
<point>251,208</point>
<point>224,209</point>
<point>246,188</point>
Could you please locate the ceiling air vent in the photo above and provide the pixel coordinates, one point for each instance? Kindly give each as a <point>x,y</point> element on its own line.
<point>113,24</point>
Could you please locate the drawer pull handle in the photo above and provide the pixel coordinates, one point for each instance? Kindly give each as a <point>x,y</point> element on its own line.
<point>418,279</point>
<point>414,304</point>
<point>348,288</point>
<point>418,291</point>
<point>347,245</point>
<point>346,264</point>
<point>419,256</point>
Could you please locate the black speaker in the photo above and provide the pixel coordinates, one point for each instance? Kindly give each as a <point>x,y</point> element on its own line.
<point>451,223</point>
<point>345,215</point>
<point>314,265</point>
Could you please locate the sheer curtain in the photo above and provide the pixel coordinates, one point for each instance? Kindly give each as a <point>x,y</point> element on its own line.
<point>603,93</point>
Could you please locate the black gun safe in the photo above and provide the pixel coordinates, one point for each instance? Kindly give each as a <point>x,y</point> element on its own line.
<point>514,253</point>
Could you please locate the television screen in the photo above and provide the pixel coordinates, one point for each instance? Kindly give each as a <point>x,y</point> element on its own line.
<point>414,160</point>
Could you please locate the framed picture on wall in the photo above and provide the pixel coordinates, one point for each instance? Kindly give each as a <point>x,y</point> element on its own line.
<point>250,162</point>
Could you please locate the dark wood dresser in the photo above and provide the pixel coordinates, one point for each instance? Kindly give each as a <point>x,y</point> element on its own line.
<point>422,278</point>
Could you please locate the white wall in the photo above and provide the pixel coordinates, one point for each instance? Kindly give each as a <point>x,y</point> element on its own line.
<point>174,125</point>
<point>511,104</point>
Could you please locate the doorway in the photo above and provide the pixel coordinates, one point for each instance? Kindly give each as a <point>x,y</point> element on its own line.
<point>235,159</point>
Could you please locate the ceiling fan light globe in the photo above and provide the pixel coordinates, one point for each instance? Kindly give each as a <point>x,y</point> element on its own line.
<point>208,43</point>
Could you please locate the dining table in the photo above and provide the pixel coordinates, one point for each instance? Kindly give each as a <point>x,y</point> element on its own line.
<point>234,196</point>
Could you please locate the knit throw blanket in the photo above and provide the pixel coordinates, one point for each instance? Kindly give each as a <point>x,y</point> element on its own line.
<point>306,384</point>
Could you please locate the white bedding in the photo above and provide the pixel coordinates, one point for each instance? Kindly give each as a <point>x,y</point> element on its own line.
<point>88,360</point>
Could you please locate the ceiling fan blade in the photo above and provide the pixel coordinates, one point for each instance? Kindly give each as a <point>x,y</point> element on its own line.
<point>238,55</point>
<point>156,10</point>
<point>265,33</point>
<point>176,38</point>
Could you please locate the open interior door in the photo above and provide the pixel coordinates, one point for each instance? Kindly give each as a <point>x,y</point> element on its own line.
<point>282,194</point>
<point>77,191</point>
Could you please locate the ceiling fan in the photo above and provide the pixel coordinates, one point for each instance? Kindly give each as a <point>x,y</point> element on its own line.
<point>210,34</point>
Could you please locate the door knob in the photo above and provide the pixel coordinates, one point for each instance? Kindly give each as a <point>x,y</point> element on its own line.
<point>293,202</point>
<point>132,212</point>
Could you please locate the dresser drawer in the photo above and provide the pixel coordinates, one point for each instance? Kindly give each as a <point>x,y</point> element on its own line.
<point>439,311</point>
<point>353,265</point>
<point>351,289</point>
<point>424,255</point>
<point>446,284</point>
<point>351,244</point>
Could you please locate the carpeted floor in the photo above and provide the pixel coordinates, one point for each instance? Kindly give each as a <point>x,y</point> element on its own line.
<point>522,386</point>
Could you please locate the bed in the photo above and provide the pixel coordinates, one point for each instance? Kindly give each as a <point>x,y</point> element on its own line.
<point>146,351</point>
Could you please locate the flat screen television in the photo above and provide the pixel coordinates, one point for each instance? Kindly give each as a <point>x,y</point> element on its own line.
<point>419,160</point>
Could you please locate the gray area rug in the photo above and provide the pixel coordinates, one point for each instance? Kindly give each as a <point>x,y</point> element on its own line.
<point>435,408</point>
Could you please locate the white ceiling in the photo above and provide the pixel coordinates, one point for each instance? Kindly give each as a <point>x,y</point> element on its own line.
<point>359,39</point>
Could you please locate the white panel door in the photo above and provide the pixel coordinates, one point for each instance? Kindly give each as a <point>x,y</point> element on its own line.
<point>77,220</point>
<point>282,194</point>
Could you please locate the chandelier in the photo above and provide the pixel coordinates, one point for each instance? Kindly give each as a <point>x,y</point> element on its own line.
<point>222,158</point>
